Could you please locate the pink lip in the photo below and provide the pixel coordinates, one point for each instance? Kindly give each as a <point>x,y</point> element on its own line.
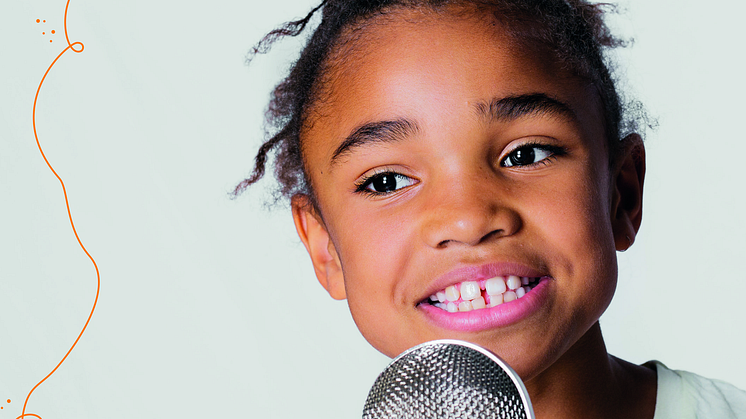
<point>493,317</point>
<point>476,273</point>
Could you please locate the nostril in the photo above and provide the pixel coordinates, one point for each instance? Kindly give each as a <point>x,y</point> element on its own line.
<point>468,222</point>
<point>487,237</point>
<point>492,234</point>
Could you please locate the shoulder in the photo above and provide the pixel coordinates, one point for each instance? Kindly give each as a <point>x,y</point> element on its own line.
<point>683,395</point>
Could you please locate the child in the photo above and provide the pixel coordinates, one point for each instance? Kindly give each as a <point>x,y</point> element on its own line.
<point>461,169</point>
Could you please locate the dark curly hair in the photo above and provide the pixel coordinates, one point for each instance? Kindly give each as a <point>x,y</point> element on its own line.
<point>573,31</point>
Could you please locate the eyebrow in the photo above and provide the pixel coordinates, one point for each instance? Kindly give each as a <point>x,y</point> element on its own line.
<point>499,109</point>
<point>375,132</point>
<point>515,107</point>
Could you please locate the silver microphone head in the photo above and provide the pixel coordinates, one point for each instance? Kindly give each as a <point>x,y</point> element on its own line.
<point>448,379</point>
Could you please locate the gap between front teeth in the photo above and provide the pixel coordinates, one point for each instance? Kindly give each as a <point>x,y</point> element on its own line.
<point>475,295</point>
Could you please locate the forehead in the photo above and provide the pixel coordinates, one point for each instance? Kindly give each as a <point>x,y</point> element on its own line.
<point>428,66</point>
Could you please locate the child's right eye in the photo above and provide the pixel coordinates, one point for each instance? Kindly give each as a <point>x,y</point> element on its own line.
<point>384,183</point>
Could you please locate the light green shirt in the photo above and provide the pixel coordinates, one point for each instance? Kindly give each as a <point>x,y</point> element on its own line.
<point>683,395</point>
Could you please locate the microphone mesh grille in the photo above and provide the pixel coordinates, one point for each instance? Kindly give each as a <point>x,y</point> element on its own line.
<point>444,381</point>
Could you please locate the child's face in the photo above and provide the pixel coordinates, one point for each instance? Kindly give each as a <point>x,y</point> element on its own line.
<point>422,185</point>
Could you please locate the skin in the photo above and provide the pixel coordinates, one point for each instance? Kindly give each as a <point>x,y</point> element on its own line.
<point>460,205</point>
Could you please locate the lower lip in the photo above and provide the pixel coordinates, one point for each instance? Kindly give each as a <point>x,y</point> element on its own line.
<point>494,317</point>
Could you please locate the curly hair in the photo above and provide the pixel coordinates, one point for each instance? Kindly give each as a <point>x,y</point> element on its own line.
<point>573,31</point>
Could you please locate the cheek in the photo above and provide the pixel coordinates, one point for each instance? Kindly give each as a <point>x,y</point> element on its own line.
<point>581,220</point>
<point>574,220</point>
<point>376,253</point>
<point>373,250</point>
<point>586,199</point>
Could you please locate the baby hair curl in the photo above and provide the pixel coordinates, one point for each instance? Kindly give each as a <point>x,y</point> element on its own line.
<point>573,31</point>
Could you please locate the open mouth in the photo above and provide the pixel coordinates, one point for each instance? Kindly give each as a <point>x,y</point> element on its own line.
<point>475,295</point>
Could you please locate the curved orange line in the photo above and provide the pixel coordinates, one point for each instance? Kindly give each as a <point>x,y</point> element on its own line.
<point>69,214</point>
<point>64,21</point>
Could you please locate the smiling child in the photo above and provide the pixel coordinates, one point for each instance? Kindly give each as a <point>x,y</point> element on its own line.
<point>459,169</point>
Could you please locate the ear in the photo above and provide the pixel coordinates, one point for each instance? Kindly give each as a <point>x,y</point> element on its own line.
<point>626,205</point>
<point>315,237</point>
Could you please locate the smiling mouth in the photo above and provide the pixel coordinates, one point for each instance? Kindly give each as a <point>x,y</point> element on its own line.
<point>485,293</point>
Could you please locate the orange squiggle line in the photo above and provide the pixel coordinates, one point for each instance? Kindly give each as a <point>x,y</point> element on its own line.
<point>64,22</point>
<point>74,47</point>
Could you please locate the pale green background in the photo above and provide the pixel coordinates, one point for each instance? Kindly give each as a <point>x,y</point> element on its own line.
<point>209,306</point>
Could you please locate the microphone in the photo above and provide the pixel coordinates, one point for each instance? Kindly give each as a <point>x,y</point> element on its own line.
<point>448,379</point>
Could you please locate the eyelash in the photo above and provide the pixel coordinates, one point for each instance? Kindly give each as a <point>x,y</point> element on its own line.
<point>554,152</point>
<point>362,185</point>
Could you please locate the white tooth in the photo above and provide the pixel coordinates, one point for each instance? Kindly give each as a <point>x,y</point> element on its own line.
<point>433,298</point>
<point>441,296</point>
<point>495,286</point>
<point>440,306</point>
<point>465,306</point>
<point>452,293</point>
<point>496,300</point>
<point>478,303</point>
<point>451,307</point>
<point>520,292</point>
<point>525,280</point>
<point>514,282</point>
<point>509,296</point>
<point>470,290</point>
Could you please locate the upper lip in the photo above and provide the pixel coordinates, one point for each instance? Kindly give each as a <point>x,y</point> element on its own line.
<point>479,272</point>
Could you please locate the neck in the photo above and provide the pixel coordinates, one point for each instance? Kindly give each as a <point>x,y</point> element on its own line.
<point>587,382</point>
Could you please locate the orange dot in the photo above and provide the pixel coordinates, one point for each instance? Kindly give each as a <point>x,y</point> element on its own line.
<point>8,400</point>
<point>52,31</point>
<point>37,20</point>
<point>44,21</point>
<point>43,33</point>
<point>50,40</point>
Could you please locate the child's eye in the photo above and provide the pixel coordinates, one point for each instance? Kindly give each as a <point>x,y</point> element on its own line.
<point>384,182</point>
<point>530,154</point>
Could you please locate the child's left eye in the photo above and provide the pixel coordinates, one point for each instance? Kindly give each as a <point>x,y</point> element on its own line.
<point>530,154</point>
<point>383,183</point>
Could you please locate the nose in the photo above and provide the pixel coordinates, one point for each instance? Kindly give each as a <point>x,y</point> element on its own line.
<point>470,211</point>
